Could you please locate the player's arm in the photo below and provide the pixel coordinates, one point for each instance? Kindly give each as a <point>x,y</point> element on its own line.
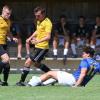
<point>81,77</point>
<point>46,38</point>
<point>31,37</point>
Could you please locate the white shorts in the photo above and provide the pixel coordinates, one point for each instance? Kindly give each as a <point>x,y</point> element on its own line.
<point>65,78</point>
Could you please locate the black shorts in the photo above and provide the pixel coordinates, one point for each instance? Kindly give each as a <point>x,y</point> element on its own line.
<point>3,49</point>
<point>38,55</point>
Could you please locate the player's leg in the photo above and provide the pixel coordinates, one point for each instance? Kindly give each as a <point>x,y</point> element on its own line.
<point>38,57</point>
<point>4,64</point>
<point>25,71</point>
<point>62,77</point>
<point>50,81</point>
<point>6,68</point>
<point>38,80</point>
<point>27,49</point>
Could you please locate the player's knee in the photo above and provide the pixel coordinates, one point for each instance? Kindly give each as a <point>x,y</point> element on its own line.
<point>6,59</point>
<point>28,62</point>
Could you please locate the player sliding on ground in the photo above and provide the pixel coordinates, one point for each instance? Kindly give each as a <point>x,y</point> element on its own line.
<point>88,67</point>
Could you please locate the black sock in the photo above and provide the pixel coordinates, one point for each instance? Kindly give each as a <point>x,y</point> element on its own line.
<point>44,68</point>
<point>6,71</point>
<point>24,74</point>
<point>1,66</point>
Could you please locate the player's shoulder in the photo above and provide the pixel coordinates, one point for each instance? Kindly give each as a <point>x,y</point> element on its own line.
<point>83,62</point>
<point>87,61</point>
<point>47,20</point>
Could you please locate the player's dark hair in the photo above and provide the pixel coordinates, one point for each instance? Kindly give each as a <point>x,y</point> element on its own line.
<point>89,50</point>
<point>38,8</point>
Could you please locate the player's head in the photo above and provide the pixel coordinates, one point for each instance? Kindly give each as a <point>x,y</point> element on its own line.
<point>6,12</point>
<point>40,13</point>
<point>88,52</point>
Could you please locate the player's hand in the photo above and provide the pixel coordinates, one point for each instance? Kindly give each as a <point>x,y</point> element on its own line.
<point>34,41</point>
<point>28,40</point>
<point>15,40</point>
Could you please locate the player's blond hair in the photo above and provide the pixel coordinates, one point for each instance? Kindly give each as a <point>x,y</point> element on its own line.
<point>6,7</point>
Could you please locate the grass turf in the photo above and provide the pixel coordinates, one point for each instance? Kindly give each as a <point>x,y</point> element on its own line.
<point>57,92</point>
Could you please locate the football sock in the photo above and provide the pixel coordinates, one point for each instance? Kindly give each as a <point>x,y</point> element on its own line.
<point>24,74</point>
<point>44,68</point>
<point>1,66</point>
<point>49,81</point>
<point>6,71</point>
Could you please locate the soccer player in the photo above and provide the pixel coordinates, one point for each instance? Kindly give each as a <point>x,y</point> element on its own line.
<point>4,32</point>
<point>40,38</point>
<point>88,67</point>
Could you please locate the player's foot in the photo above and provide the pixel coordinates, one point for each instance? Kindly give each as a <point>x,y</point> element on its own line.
<point>3,83</point>
<point>20,84</point>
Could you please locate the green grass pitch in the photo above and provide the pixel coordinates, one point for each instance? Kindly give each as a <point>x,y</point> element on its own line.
<point>57,92</point>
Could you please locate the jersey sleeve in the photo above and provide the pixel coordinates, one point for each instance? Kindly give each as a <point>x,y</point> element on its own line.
<point>84,64</point>
<point>48,27</point>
